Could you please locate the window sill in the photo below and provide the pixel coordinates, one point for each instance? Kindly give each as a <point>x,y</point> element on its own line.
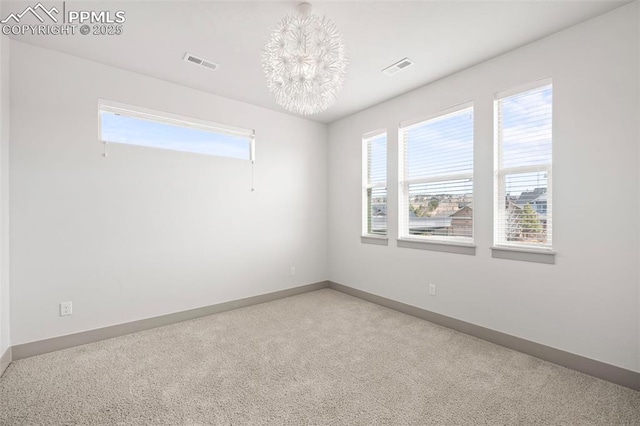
<point>379,240</point>
<point>442,246</point>
<point>547,256</point>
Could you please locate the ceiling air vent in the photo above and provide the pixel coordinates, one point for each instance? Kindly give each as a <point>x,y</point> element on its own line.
<point>398,66</point>
<point>188,57</point>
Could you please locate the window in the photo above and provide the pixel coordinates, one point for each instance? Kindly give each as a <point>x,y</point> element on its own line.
<point>436,177</point>
<point>374,188</point>
<point>129,125</point>
<point>523,141</point>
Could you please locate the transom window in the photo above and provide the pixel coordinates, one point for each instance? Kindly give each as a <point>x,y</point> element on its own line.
<point>129,125</point>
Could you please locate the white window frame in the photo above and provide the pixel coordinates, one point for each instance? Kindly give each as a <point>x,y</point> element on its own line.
<point>367,186</point>
<point>541,253</point>
<point>461,245</point>
<point>172,119</point>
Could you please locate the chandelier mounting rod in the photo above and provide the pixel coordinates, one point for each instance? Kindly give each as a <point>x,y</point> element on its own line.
<point>304,9</point>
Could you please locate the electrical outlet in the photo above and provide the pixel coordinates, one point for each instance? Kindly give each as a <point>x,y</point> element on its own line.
<point>432,289</point>
<point>65,309</point>
<point>293,271</point>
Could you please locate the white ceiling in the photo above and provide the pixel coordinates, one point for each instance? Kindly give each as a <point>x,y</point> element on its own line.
<point>441,37</point>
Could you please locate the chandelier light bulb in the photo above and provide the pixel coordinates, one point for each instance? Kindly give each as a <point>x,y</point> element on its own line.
<point>305,62</point>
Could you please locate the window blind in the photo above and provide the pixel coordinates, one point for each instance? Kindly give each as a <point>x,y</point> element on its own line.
<point>436,181</point>
<point>375,184</point>
<point>130,125</point>
<point>523,160</point>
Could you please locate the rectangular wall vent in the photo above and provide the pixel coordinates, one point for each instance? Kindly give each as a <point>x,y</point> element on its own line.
<point>188,57</point>
<point>194,59</point>
<point>398,66</point>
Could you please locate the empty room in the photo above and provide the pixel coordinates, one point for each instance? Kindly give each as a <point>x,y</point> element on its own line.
<point>320,213</point>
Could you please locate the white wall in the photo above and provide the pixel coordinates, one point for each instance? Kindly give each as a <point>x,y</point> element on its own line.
<point>587,303</point>
<point>4,194</point>
<point>148,232</point>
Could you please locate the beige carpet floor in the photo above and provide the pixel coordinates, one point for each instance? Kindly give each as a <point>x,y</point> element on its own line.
<point>321,358</point>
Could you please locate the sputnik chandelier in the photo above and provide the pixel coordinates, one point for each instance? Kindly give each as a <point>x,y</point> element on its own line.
<point>305,61</point>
